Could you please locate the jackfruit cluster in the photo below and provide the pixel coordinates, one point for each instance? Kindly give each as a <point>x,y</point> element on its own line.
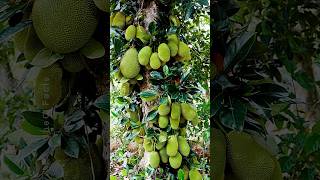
<point>139,32</point>
<point>120,20</point>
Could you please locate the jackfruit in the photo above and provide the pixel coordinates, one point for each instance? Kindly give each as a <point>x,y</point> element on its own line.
<point>277,174</point>
<point>138,140</point>
<point>194,174</point>
<point>173,48</point>
<point>129,65</point>
<point>183,132</point>
<point>174,19</point>
<point>184,147</point>
<point>130,33</point>
<point>195,121</point>
<point>119,20</point>
<point>174,123</point>
<point>248,159</point>
<point>188,112</point>
<point>125,89</point>
<point>148,145</point>
<point>155,61</point>
<point>160,145</point>
<point>129,20</point>
<point>219,149</point>
<point>32,45</point>
<point>144,55</point>
<point>175,161</point>
<point>20,39</point>
<point>172,146</point>
<point>154,159</point>
<point>175,110</point>
<point>173,38</point>
<point>164,52</point>
<point>163,109</point>
<point>64,26</point>
<point>48,87</point>
<point>163,136</point>
<point>163,121</point>
<point>163,155</point>
<point>184,51</point>
<point>73,62</point>
<point>102,5</point>
<point>142,34</point>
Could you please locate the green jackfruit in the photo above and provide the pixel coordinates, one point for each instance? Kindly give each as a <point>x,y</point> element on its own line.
<point>175,111</point>
<point>162,139</point>
<point>142,34</point>
<point>155,61</point>
<point>119,20</point>
<point>20,39</point>
<point>277,174</point>
<point>174,123</point>
<point>183,132</point>
<point>175,20</point>
<point>194,174</point>
<point>195,121</point>
<point>175,161</point>
<point>154,159</point>
<point>173,48</point>
<point>172,146</point>
<point>138,140</point>
<point>73,62</point>
<point>184,51</point>
<point>129,65</point>
<point>148,145</point>
<point>125,89</point>
<point>163,155</point>
<point>48,87</point>
<point>160,145</point>
<point>164,52</point>
<point>102,5</point>
<point>144,55</point>
<point>129,20</point>
<point>32,45</point>
<point>64,26</point>
<point>248,159</point>
<point>188,112</point>
<point>184,147</point>
<point>130,33</point>
<point>219,149</point>
<point>164,109</point>
<point>173,38</point>
<point>163,121</point>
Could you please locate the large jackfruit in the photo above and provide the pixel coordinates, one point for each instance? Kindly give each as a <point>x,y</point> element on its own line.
<point>172,146</point>
<point>130,33</point>
<point>73,62</point>
<point>184,147</point>
<point>155,61</point>
<point>174,123</point>
<point>164,52</point>
<point>64,26</point>
<point>175,161</point>
<point>125,89</point>
<point>102,5</point>
<point>142,34</point>
<point>129,65</point>
<point>20,39</point>
<point>248,160</point>
<point>218,149</point>
<point>173,48</point>
<point>119,20</point>
<point>144,55</point>
<point>277,174</point>
<point>163,155</point>
<point>188,112</point>
<point>175,110</point>
<point>164,109</point>
<point>48,86</point>
<point>160,145</point>
<point>184,51</point>
<point>154,159</point>
<point>32,45</point>
<point>173,38</point>
<point>163,121</point>
<point>194,174</point>
<point>148,145</point>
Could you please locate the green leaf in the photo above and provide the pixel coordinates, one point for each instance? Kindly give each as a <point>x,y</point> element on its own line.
<point>30,148</point>
<point>181,174</point>
<point>55,141</point>
<point>277,108</point>
<point>156,75</point>
<point>45,58</point>
<point>312,144</point>
<point>12,166</point>
<point>74,121</point>
<point>7,33</point>
<point>93,49</point>
<point>72,148</point>
<point>165,70</point>
<point>102,102</point>
<point>151,115</point>
<point>304,80</point>
<point>234,117</point>
<point>31,129</point>
<point>148,94</point>
<point>38,119</point>
<point>113,178</point>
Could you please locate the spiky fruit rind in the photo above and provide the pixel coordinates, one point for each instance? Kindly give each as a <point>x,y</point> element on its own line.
<point>102,5</point>
<point>173,38</point>
<point>155,61</point>
<point>73,62</point>
<point>184,51</point>
<point>277,174</point>
<point>147,145</point>
<point>219,148</point>
<point>175,110</point>
<point>125,89</point>
<point>144,55</point>
<point>164,109</point>
<point>64,26</point>
<point>142,34</point>
<point>172,146</point>
<point>184,147</point>
<point>173,48</point>
<point>174,123</point>
<point>129,65</point>
<point>164,52</point>
<point>188,112</point>
<point>154,159</point>
<point>130,33</point>
<point>163,121</point>
<point>175,161</point>
<point>119,20</point>
<point>194,174</point>
<point>163,155</point>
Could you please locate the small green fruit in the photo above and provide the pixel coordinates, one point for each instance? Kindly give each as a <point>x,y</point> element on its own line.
<point>164,52</point>
<point>154,159</point>
<point>130,33</point>
<point>144,55</point>
<point>155,61</point>
<point>163,121</point>
<point>175,161</point>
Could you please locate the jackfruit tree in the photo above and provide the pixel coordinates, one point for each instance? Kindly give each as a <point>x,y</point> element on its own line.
<point>61,45</point>
<point>155,93</point>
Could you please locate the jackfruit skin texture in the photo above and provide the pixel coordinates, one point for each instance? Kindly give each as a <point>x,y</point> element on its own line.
<point>175,110</point>
<point>173,48</point>
<point>147,145</point>
<point>144,55</point>
<point>172,146</point>
<point>164,52</point>
<point>64,26</point>
<point>160,145</point>
<point>247,159</point>
<point>163,121</point>
<point>20,39</point>
<point>163,155</point>
<point>175,161</point>
<point>188,112</point>
<point>154,159</point>
<point>173,38</point>
<point>48,87</point>
<point>174,123</point>
<point>219,149</point>
<point>102,5</point>
<point>32,45</point>
<point>163,109</point>
<point>184,51</point>
<point>125,89</point>
<point>73,62</point>
<point>277,174</point>
<point>119,20</point>
<point>129,65</point>
<point>130,33</point>
<point>184,147</point>
<point>142,34</point>
<point>194,174</point>
<point>155,61</point>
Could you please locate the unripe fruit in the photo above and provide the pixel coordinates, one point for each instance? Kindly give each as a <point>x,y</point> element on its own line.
<point>164,52</point>
<point>32,45</point>
<point>164,109</point>
<point>188,112</point>
<point>219,148</point>
<point>173,48</point>
<point>148,145</point>
<point>125,89</point>
<point>173,38</point>
<point>129,65</point>
<point>174,123</point>
<point>155,61</point>
<point>130,33</point>
<point>119,20</point>
<point>154,159</point>
<point>172,146</point>
<point>142,34</point>
<point>163,121</point>
<point>144,55</point>
<point>175,161</point>
<point>175,111</point>
<point>163,155</point>
<point>184,147</point>
<point>194,174</point>
<point>73,62</point>
<point>184,51</point>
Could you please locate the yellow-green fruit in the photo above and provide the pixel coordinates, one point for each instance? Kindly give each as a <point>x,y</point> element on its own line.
<point>247,158</point>
<point>163,121</point>
<point>148,145</point>
<point>277,174</point>
<point>174,123</point>
<point>125,89</point>
<point>164,109</point>
<point>172,146</point>
<point>32,45</point>
<point>48,87</point>
<point>194,174</point>
<point>163,136</point>
<point>73,62</point>
<point>195,121</point>
<point>155,61</point>
<point>20,39</point>
<point>173,48</point>
<point>184,50</point>
<point>64,26</point>
<point>129,65</point>
<point>185,172</point>
<point>183,132</point>
<point>130,33</point>
<point>163,155</point>
<point>188,112</point>
<point>174,20</point>
<point>138,140</point>
<point>173,38</point>
<point>142,34</point>
<point>160,145</point>
<point>164,52</point>
<point>219,149</point>
<point>154,159</point>
<point>129,20</point>
<point>102,5</point>
<point>175,111</point>
<point>184,147</point>
<point>144,55</point>
<point>119,20</point>
<point>175,161</point>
